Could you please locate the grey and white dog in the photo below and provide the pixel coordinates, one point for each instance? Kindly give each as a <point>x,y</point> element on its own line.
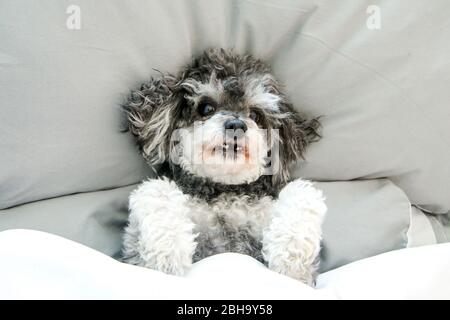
<point>222,135</point>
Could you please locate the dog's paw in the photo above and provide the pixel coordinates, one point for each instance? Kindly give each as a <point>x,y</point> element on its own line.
<point>291,241</point>
<point>167,244</point>
<point>167,247</point>
<point>301,194</point>
<point>306,277</point>
<point>292,250</point>
<point>157,194</point>
<point>171,254</point>
<point>174,263</point>
<point>159,234</point>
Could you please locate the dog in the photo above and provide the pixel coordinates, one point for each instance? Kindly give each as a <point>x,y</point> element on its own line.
<point>222,135</point>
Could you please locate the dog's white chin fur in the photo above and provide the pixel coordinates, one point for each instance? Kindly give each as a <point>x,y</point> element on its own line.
<point>203,152</point>
<point>228,173</point>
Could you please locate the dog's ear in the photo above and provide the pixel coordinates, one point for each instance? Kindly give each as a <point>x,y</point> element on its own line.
<point>295,133</point>
<point>150,115</point>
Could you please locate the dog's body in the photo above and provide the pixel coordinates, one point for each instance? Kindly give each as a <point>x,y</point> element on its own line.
<point>169,230</point>
<point>215,196</point>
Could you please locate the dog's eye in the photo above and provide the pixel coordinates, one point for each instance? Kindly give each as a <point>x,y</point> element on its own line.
<point>205,109</point>
<point>254,115</point>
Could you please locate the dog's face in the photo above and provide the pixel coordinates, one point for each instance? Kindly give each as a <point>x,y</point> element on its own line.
<point>223,117</point>
<point>223,121</point>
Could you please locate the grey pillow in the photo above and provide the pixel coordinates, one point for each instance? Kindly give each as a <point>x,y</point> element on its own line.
<point>383,93</point>
<point>364,218</point>
<point>61,89</point>
<point>95,219</point>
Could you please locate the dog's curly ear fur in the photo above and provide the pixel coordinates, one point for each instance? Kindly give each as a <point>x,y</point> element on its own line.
<point>150,115</point>
<point>295,133</point>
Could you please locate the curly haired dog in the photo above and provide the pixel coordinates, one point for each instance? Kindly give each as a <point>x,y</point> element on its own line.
<point>223,135</point>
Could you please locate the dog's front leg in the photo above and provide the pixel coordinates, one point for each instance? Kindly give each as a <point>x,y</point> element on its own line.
<point>160,234</point>
<point>291,241</point>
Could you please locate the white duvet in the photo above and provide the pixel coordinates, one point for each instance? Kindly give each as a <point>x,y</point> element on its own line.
<point>37,265</point>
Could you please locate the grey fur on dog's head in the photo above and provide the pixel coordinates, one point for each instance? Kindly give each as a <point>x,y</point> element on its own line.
<point>233,86</point>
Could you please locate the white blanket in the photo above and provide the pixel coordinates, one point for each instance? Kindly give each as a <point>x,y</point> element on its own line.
<point>37,265</point>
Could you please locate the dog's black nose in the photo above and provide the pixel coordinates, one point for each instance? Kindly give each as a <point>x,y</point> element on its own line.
<point>235,124</point>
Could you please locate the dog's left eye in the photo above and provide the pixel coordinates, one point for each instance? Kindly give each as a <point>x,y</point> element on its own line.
<point>254,116</point>
<point>205,109</point>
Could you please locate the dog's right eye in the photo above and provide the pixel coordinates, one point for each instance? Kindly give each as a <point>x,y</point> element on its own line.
<point>205,109</point>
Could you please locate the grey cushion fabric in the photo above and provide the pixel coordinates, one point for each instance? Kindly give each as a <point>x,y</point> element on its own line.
<point>384,94</point>
<point>355,227</point>
<point>95,219</point>
<point>420,230</point>
<point>364,218</point>
<point>441,227</point>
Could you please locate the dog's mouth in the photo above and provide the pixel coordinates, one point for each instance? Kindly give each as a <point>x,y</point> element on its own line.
<point>231,149</point>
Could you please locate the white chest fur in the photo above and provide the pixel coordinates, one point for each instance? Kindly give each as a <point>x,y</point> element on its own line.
<point>230,223</point>
<point>233,212</point>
